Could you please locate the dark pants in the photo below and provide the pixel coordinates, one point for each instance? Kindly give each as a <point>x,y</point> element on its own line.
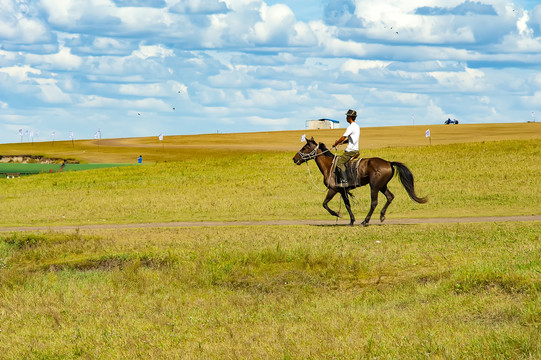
<point>343,159</point>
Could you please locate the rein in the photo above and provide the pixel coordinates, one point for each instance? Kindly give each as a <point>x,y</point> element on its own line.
<point>312,155</point>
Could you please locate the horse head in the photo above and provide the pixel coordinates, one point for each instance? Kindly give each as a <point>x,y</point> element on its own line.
<point>307,152</point>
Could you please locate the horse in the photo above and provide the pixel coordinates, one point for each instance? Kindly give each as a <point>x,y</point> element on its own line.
<point>374,171</point>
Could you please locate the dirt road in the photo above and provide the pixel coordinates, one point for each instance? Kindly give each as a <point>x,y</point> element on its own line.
<point>489,219</point>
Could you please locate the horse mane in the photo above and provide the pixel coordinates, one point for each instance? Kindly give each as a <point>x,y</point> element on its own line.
<point>326,151</point>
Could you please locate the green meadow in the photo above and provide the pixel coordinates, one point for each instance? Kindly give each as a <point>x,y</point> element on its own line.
<point>444,291</point>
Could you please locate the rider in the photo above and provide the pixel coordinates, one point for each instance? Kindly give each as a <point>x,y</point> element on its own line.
<point>351,137</point>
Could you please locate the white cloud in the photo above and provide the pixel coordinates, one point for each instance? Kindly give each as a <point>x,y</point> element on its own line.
<point>146,52</point>
<point>467,80</point>
<point>51,93</point>
<point>20,73</point>
<point>62,60</point>
<point>433,111</point>
<point>16,24</point>
<point>142,89</point>
<point>484,99</point>
<point>70,12</point>
<point>335,47</point>
<point>355,65</point>
<point>522,25</point>
<point>276,25</point>
<point>303,35</point>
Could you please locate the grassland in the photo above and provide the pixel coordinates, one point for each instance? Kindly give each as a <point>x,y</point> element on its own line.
<point>444,291</point>
<point>473,179</point>
<point>469,291</point>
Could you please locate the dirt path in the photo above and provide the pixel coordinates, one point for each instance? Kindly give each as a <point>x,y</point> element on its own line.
<point>273,223</point>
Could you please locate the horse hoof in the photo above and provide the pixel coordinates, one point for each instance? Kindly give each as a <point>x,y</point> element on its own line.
<point>364,223</point>
<point>382,218</point>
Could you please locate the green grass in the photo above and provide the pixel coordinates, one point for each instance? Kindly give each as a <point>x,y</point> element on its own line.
<point>32,169</point>
<point>425,291</point>
<point>477,179</point>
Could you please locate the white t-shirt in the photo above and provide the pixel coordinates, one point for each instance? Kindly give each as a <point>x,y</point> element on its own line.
<point>353,132</point>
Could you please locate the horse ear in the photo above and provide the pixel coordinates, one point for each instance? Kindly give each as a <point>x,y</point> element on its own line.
<point>312,139</point>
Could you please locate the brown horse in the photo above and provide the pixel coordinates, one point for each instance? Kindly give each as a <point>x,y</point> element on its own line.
<point>374,171</point>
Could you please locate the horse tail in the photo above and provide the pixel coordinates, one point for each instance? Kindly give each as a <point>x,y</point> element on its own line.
<point>406,178</point>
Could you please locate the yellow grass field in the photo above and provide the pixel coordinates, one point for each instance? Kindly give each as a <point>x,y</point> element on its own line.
<point>182,147</point>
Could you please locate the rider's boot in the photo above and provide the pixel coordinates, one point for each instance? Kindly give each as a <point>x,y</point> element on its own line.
<point>341,179</point>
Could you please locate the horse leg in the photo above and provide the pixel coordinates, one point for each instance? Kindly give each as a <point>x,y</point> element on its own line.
<point>374,202</point>
<point>389,195</point>
<point>348,206</point>
<point>330,195</point>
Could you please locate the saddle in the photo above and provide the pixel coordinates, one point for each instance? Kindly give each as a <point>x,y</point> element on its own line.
<point>354,158</point>
<point>352,168</point>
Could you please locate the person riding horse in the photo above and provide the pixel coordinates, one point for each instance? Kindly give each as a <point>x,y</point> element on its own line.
<point>351,137</point>
<point>374,171</point>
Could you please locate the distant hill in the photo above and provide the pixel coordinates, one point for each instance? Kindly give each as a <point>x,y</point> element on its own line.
<point>179,147</point>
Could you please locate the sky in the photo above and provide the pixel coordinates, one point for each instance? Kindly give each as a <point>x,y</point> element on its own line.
<point>132,68</point>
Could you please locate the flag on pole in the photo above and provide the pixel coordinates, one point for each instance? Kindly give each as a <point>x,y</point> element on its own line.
<point>427,133</point>
<point>21,132</point>
<point>303,137</point>
<point>71,135</point>
<point>53,134</point>
<point>160,137</point>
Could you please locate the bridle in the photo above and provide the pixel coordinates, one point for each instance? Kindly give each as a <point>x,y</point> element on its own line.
<point>312,154</point>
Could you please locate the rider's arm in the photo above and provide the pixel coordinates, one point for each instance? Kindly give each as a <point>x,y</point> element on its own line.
<point>342,140</point>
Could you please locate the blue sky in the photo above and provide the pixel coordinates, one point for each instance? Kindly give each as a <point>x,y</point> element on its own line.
<point>143,67</point>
